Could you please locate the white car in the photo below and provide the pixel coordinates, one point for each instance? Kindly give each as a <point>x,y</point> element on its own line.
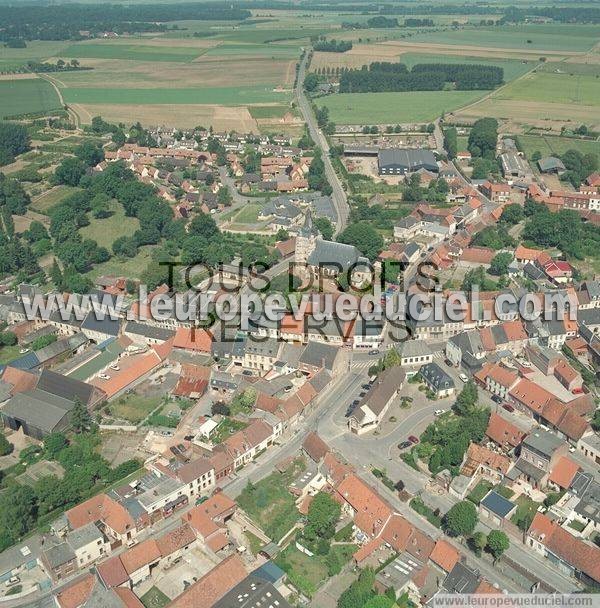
<point>463,377</point>
<point>439,412</point>
<point>115,367</point>
<point>104,376</point>
<point>13,580</point>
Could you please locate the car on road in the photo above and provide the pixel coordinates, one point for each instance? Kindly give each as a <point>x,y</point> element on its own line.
<point>496,399</point>
<point>374,351</point>
<point>463,377</point>
<point>366,386</point>
<point>508,407</point>
<point>404,445</point>
<point>413,439</point>
<point>104,376</point>
<point>439,412</point>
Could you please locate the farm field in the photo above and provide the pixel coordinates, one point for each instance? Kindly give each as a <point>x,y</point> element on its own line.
<point>384,108</point>
<point>226,96</point>
<point>540,37</point>
<point>548,145</point>
<point>36,50</point>
<point>272,111</point>
<point>105,231</point>
<point>27,96</point>
<point>139,52</point>
<point>554,88</point>
<point>274,51</point>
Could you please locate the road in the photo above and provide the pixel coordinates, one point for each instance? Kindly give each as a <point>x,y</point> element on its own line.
<point>338,195</point>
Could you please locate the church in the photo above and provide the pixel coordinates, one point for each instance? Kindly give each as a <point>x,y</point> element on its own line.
<point>329,259</point>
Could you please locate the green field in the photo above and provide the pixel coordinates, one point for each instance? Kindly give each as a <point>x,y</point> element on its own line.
<point>549,145</point>
<point>513,68</point>
<point>105,231</point>
<point>570,68</point>
<point>268,111</point>
<point>133,408</point>
<point>529,37</point>
<point>227,96</point>
<point>128,267</point>
<point>248,214</point>
<point>48,199</point>
<point>36,50</point>
<point>554,88</point>
<point>137,52</point>
<point>385,108</point>
<point>276,51</point>
<point>27,96</point>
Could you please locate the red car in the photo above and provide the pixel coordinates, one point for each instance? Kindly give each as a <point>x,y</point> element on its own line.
<point>508,407</point>
<point>577,391</point>
<point>413,439</point>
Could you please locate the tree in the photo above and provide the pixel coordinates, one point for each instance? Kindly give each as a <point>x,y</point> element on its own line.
<point>8,338</point>
<point>311,82</point>
<point>90,153</point>
<point>364,237</point>
<point>466,400</point>
<point>380,601</point>
<point>14,140</point>
<point>80,418</point>
<point>497,543</point>
<point>461,519</point>
<point>500,263</point>
<point>323,514</point>
<point>512,214</point>
<point>451,142</point>
<point>54,444</point>
<point>333,563</point>
<point>5,446</point>
<point>478,542</point>
<point>70,171</point>
<point>359,592</point>
<point>324,226</point>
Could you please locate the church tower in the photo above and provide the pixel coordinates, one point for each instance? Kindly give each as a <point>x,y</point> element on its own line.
<point>306,239</point>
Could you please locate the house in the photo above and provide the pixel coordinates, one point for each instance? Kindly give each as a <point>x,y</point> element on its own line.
<point>480,460</point>
<point>213,586</point>
<point>539,452</point>
<point>253,592</point>
<point>437,380</point>
<point>496,508</point>
<point>563,473</point>
<point>497,379</point>
<point>503,433</point>
<point>496,192</point>
<point>551,164</point>
<point>414,354</point>
<point>90,592</point>
<point>372,408</point>
<point>570,555</point>
<point>444,555</point>
<point>315,448</point>
<point>559,272</point>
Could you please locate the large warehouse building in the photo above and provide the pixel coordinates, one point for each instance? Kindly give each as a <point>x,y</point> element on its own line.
<point>396,161</point>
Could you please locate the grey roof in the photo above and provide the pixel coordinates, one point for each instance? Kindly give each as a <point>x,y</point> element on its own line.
<point>60,347</point>
<point>407,159</point>
<point>588,489</point>
<point>267,348</point>
<point>23,553</point>
<point>497,504</point>
<point>318,354</point>
<point>551,163</point>
<point>414,348</point>
<point>461,579</point>
<point>436,376</point>
<point>381,392</point>
<point>332,254</point>
<point>38,409</point>
<point>84,536</point>
<point>320,380</point>
<point>253,592</point>
<point>59,555</point>
<point>533,272</point>
<point>543,442</point>
<point>107,326</point>
<point>149,331</point>
<point>65,387</point>
<point>529,469</point>
<point>101,597</point>
<point>589,316</point>
<point>269,572</point>
<point>411,248</point>
<point>368,327</point>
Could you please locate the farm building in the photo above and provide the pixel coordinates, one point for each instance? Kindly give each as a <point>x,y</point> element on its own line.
<point>402,161</point>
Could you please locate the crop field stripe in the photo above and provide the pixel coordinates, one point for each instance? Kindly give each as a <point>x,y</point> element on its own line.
<point>27,96</point>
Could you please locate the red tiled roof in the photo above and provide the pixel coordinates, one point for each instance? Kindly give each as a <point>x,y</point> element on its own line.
<point>175,540</point>
<point>20,380</point>
<point>140,555</point>
<point>76,595</point>
<point>198,340</point>
<point>101,508</point>
<point>397,532</point>
<point>503,432</point>
<point>315,447</point>
<point>480,455</point>
<point>444,555</point>
<point>128,597</point>
<point>563,472</point>
<point>214,585</point>
<point>531,395</point>
<point>112,572</point>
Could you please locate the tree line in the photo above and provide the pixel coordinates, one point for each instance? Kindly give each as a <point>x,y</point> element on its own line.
<point>332,46</point>
<point>395,77</point>
<point>65,21</point>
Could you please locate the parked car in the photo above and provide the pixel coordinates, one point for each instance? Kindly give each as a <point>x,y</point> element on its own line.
<point>577,391</point>
<point>404,445</point>
<point>201,499</point>
<point>508,407</point>
<point>496,399</point>
<point>413,439</point>
<point>115,367</point>
<point>374,351</point>
<point>463,377</point>
<point>13,580</point>
<point>366,386</point>
<point>104,376</point>
<point>439,412</point>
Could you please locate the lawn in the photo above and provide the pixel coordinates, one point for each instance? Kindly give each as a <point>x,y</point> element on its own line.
<point>386,108</point>
<point>479,491</point>
<point>155,598</point>
<point>525,37</point>
<point>137,52</point>
<point>45,201</point>
<point>27,96</point>
<point>548,145</point>
<point>270,504</point>
<point>547,87</point>
<point>526,510</point>
<point>248,214</point>
<point>254,543</point>
<point>228,96</point>
<point>133,408</point>
<point>8,353</point>
<point>126,267</point>
<point>105,231</point>
<point>226,427</point>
